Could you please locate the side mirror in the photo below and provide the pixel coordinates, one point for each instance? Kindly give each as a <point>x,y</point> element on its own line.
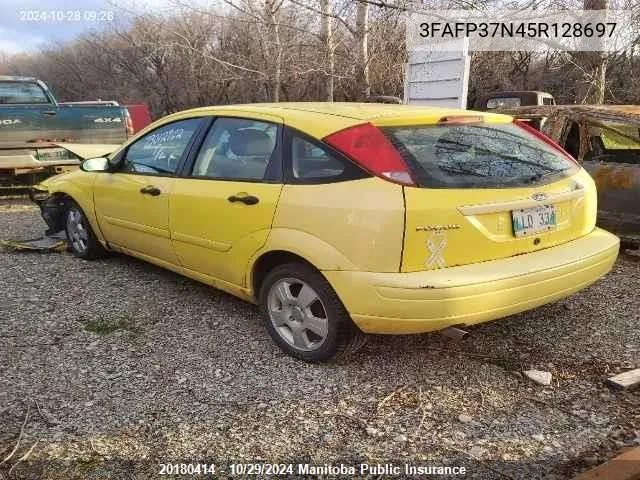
<point>99,164</point>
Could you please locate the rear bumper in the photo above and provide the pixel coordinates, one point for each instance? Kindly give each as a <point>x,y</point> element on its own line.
<point>25,160</point>
<point>397,303</point>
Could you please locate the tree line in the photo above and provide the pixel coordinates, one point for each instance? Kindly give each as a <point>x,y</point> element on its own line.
<point>241,51</point>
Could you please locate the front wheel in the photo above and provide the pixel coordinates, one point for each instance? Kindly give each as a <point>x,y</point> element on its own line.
<point>304,316</point>
<point>80,237</point>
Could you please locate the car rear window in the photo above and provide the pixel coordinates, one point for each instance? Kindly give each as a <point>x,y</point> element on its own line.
<point>21,92</point>
<point>478,156</point>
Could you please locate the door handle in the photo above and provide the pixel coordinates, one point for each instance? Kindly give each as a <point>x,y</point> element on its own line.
<point>246,199</point>
<point>49,112</point>
<point>150,190</point>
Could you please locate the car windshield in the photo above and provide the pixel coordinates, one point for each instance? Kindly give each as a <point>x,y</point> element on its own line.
<point>478,155</point>
<point>21,92</point>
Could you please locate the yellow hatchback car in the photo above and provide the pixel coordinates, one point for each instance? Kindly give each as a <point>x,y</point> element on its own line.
<point>344,219</point>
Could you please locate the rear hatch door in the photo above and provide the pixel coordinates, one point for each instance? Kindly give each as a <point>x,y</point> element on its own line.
<point>487,188</point>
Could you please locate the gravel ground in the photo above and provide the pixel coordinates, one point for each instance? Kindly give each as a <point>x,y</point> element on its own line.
<point>122,366</point>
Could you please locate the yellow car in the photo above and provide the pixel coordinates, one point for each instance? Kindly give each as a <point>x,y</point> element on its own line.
<point>344,219</point>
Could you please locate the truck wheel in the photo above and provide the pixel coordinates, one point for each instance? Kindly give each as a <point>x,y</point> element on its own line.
<point>304,316</point>
<point>80,237</point>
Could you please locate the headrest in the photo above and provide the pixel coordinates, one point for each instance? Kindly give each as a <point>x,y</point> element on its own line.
<point>249,141</point>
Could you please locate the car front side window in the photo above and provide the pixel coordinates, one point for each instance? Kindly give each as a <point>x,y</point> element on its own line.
<point>160,151</point>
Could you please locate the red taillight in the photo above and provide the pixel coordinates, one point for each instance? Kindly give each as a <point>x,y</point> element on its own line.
<point>128,123</point>
<point>544,138</point>
<point>368,147</point>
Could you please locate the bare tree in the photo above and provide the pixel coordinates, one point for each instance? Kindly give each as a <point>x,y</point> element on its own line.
<point>593,65</point>
<point>362,44</point>
<point>271,15</point>
<point>266,50</point>
<point>326,37</point>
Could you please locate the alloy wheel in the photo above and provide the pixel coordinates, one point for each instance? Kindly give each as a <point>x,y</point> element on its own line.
<point>298,314</point>
<point>77,231</point>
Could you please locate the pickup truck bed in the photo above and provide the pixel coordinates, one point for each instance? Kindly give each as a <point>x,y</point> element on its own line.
<point>35,130</point>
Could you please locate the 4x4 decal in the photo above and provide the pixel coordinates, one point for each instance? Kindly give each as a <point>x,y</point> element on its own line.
<point>108,120</point>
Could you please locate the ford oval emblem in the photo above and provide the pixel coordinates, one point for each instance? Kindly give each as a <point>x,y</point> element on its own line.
<point>539,196</point>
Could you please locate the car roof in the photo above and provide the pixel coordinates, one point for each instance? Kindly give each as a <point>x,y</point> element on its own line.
<point>11,78</point>
<point>517,92</point>
<point>322,118</point>
<point>357,111</point>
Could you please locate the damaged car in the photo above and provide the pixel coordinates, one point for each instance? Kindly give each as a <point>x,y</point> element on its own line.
<point>339,220</point>
<point>605,139</point>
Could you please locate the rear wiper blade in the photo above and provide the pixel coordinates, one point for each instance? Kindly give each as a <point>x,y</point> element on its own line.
<point>540,176</point>
<point>515,158</point>
<point>486,151</point>
<point>462,171</point>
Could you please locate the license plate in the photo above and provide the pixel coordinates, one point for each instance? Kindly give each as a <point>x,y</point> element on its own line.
<point>528,221</point>
<point>51,155</point>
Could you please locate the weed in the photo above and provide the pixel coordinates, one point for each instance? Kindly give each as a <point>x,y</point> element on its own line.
<point>105,326</point>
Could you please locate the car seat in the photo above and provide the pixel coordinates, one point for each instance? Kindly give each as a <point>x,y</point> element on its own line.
<point>247,156</point>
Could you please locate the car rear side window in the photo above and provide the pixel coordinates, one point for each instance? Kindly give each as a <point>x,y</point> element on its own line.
<point>236,149</point>
<point>160,151</point>
<point>312,162</point>
<point>479,155</point>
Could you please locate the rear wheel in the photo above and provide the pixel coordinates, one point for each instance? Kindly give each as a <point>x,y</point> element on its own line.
<point>80,237</point>
<point>304,316</point>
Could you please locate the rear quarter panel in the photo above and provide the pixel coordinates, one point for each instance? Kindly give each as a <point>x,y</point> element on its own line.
<point>351,225</point>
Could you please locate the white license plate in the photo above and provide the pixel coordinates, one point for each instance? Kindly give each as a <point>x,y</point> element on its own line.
<point>528,221</point>
<point>51,155</point>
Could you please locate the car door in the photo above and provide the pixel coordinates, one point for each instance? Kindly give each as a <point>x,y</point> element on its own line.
<point>132,202</point>
<point>612,157</point>
<point>28,112</point>
<point>222,207</point>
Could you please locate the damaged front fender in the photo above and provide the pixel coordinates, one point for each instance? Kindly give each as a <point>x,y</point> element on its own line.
<point>55,194</point>
<point>52,208</point>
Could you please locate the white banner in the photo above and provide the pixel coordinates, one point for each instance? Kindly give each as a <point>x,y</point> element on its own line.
<point>523,30</point>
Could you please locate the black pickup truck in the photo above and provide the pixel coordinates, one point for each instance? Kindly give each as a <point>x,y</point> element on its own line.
<point>39,136</point>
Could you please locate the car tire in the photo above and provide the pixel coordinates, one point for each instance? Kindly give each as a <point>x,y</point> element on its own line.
<point>305,317</point>
<point>81,240</point>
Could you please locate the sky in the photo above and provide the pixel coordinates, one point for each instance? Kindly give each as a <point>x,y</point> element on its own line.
<point>26,25</point>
